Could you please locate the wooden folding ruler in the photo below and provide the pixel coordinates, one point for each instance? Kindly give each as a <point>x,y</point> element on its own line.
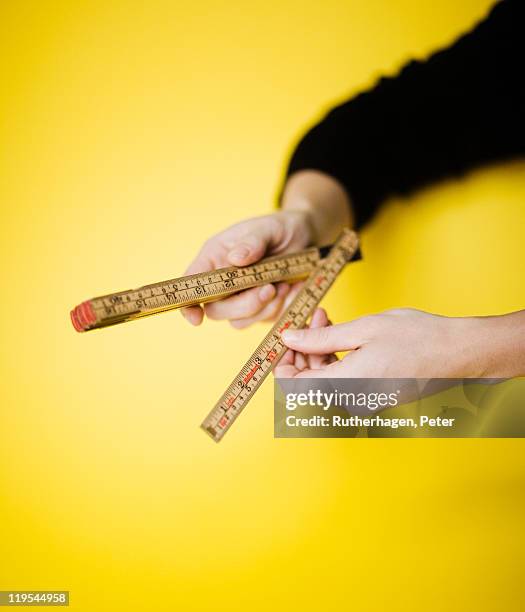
<point>320,265</point>
<point>195,289</point>
<point>271,349</point>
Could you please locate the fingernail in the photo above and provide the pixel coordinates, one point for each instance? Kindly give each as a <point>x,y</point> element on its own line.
<point>267,292</point>
<point>240,252</point>
<point>290,335</point>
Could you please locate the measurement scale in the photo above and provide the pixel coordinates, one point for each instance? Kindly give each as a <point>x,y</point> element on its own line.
<point>190,290</point>
<point>272,348</point>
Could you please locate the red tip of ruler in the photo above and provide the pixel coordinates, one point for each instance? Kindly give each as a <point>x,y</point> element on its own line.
<point>75,321</point>
<point>82,316</point>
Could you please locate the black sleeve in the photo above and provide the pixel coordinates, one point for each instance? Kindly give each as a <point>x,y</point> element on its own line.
<point>462,107</point>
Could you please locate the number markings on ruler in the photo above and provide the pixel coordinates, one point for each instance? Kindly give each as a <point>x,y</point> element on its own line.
<point>272,348</point>
<point>189,290</point>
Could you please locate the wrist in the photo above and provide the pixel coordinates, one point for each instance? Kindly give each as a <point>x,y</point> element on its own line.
<point>492,347</point>
<point>301,223</point>
<point>322,201</point>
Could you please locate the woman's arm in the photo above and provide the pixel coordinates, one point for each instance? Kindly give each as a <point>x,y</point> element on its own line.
<point>460,108</point>
<point>409,343</point>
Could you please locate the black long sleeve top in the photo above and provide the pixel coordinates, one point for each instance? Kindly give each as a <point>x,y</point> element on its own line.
<point>462,107</point>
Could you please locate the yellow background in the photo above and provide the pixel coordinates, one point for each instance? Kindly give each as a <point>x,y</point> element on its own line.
<point>130,132</point>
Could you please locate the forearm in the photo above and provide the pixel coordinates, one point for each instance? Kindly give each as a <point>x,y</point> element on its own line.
<point>498,344</point>
<point>324,202</point>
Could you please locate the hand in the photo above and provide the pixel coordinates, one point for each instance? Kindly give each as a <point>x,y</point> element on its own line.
<point>295,362</point>
<point>243,244</point>
<point>402,343</point>
<point>315,207</point>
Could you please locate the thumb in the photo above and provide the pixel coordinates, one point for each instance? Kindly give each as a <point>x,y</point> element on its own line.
<point>249,250</point>
<point>325,340</point>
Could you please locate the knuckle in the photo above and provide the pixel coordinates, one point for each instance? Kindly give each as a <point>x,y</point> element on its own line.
<point>321,336</point>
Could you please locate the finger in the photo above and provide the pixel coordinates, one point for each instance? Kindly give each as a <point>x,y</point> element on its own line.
<point>244,304</point>
<point>317,362</point>
<point>269,313</point>
<point>285,371</point>
<point>337,369</point>
<point>300,362</point>
<point>274,309</point>
<point>275,312</point>
<point>294,290</point>
<point>286,366</point>
<point>250,249</point>
<point>320,319</point>
<point>326,340</point>
<point>193,314</point>
<point>202,263</point>
<point>287,359</point>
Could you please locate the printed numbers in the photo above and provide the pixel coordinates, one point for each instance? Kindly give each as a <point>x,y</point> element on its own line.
<point>35,598</point>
